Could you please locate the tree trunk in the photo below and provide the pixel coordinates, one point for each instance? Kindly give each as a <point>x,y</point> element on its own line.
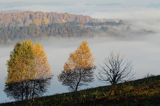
<point>79,80</point>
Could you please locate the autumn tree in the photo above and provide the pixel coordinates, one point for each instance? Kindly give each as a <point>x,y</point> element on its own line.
<point>78,70</point>
<point>28,61</point>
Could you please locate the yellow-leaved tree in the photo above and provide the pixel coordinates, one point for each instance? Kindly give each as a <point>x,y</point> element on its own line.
<point>78,70</point>
<point>81,59</point>
<point>28,61</point>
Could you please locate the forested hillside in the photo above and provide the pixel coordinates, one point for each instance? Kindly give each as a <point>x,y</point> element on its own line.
<point>27,24</point>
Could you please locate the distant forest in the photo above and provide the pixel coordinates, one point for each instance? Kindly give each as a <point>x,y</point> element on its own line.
<point>27,24</point>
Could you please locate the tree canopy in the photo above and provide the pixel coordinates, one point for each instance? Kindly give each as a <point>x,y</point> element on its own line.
<point>28,61</point>
<point>82,58</point>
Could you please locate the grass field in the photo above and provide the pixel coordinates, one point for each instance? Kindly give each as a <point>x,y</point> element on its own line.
<point>142,92</point>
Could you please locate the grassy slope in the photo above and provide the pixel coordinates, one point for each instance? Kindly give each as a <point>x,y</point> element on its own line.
<point>143,92</point>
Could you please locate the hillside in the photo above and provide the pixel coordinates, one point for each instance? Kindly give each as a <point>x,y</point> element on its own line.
<point>142,92</point>
<point>27,24</point>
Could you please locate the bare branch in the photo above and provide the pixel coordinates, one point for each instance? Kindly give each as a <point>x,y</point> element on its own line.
<point>115,69</point>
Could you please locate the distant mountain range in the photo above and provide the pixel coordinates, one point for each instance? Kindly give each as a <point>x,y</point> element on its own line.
<point>27,24</point>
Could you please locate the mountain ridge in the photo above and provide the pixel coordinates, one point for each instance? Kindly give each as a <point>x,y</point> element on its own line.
<point>29,24</point>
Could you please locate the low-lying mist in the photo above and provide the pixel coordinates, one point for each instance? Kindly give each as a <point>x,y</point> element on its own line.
<point>142,49</point>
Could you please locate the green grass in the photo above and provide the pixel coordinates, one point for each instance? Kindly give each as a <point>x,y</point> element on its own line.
<point>142,92</point>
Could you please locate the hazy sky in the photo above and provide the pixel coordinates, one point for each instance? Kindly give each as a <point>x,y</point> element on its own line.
<point>95,8</point>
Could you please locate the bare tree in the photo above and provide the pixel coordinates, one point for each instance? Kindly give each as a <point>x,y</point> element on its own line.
<point>115,69</point>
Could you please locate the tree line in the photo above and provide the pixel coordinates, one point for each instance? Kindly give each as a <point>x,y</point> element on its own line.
<point>29,25</point>
<point>30,72</point>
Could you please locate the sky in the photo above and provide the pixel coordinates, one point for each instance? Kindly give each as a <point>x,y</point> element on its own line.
<point>94,8</point>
